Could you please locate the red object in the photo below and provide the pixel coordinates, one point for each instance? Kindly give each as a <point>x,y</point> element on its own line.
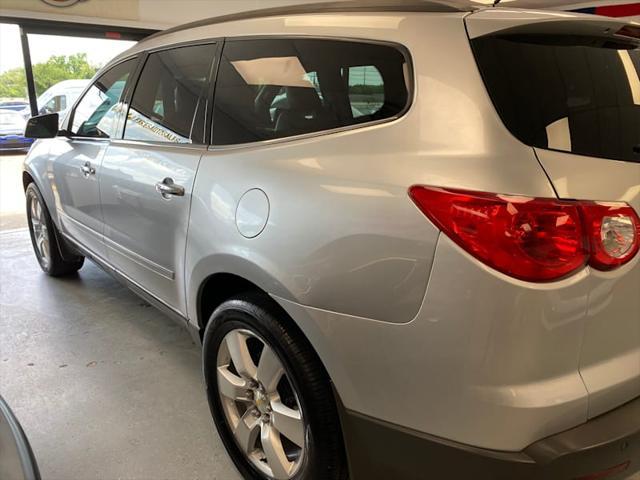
<point>626,10</point>
<point>606,473</point>
<point>533,239</point>
<point>114,35</point>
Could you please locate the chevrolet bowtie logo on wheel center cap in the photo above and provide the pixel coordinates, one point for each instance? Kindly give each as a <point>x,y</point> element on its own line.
<point>262,402</point>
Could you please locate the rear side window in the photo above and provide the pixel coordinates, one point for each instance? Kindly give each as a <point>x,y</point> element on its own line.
<point>366,90</point>
<point>268,89</point>
<point>170,96</point>
<point>567,93</point>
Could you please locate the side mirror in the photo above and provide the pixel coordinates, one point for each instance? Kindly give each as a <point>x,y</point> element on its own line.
<point>42,126</point>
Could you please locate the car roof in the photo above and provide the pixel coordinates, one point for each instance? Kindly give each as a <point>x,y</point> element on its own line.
<point>349,6</point>
<point>258,18</point>
<point>372,6</point>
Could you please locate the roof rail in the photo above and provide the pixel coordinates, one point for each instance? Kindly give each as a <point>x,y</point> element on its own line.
<point>327,7</point>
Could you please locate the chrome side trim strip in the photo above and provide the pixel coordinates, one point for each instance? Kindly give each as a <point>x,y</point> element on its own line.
<point>119,249</point>
<point>128,142</point>
<point>66,218</point>
<point>139,259</point>
<point>303,136</point>
<point>108,266</point>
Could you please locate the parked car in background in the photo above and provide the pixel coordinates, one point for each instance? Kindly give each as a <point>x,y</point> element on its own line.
<point>16,105</point>
<point>12,126</point>
<point>406,233</point>
<point>58,98</point>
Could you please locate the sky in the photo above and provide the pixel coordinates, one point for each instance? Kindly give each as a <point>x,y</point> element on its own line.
<point>98,50</point>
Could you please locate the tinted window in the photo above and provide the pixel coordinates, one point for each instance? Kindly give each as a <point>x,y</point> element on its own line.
<point>572,94</point>
<point>97,113</point>
<point>171,89</point>
<point>277,88</point>
<point>366,90</point>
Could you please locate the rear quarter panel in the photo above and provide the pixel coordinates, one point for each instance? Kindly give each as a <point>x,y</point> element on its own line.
<point>343,234</point>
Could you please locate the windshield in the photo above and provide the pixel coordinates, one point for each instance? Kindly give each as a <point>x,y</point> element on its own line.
<point>567,93</point>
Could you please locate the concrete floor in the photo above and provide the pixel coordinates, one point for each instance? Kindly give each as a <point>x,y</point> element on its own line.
<point>105,386</point>
<point>11,192</point>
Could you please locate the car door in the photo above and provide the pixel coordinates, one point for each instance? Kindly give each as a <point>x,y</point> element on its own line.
<point>78,156</point>
<point>148,175</point>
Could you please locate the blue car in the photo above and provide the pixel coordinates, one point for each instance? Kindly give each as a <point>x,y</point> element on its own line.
<point>12,132</point>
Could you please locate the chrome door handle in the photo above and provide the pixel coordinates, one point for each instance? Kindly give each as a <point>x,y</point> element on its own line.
<point>166,188</point>
<point>87,169</point>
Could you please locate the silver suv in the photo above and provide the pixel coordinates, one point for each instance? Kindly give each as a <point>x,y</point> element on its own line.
<point>406,233</point>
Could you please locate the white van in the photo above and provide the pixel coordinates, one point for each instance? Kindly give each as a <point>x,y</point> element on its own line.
<point>59,98</point>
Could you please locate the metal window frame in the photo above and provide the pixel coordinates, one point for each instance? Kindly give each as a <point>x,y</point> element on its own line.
<point>134,72</point>
<point>207,95</point>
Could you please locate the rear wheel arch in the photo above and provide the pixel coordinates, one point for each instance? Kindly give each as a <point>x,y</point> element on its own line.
<point>216,289</point>
<point>212,279</point>
<point>257,300</point>
<point>222,286</point>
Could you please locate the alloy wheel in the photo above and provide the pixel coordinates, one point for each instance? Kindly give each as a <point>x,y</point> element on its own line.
<point>261,405</point>
<point>38,223</point>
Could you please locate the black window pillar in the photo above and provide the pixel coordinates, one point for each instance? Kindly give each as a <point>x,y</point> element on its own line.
<point>28,70</point>
<point>47,27</point>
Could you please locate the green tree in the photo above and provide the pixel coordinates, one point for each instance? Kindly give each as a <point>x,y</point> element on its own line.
<point>57,68</point>
<point>13,84</point>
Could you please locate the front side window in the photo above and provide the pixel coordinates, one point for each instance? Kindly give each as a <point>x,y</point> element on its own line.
<point>170,96</point>
<point>565,92</point>
<point>97,113</point>
<point>268,89</point>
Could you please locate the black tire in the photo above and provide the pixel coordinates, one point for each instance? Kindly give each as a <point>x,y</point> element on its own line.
<point>324,458</point>
<point>52,263</point>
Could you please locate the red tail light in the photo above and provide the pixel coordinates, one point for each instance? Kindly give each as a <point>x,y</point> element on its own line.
<point>534,239</point>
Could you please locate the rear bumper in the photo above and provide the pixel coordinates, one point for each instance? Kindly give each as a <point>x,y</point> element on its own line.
<point>609,443</point>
